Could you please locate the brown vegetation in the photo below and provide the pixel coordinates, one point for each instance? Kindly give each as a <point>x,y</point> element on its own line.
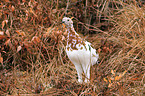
<point>32,56</point>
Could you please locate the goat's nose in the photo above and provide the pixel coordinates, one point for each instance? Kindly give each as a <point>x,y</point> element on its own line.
<point>62,21</point>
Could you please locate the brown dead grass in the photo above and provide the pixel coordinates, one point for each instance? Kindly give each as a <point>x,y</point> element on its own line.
<point>32,57</point>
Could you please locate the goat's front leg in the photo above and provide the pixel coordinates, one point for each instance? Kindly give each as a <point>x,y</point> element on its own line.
<point>79,72</point>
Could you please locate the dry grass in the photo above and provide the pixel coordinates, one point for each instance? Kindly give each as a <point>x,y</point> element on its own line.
<point>32,57</point>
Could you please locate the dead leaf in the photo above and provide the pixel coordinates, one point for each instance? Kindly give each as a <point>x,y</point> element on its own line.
<point>54,11</point>
<point>19,48</point>
<point>6,21</point>
<point>112,72</point>
<point>21,33</point>
<point>58,33</point>
<point>13,8</point>
<point>23,1</point>
<point>7,1</point>
<point>118,83</point>
<point>110,85</point>
<point>36,39</point>
<point>2,37</point>
<point>105,79</point>
<point>18,32</point>
<point>48,32</point>
<point>32,11</point>
<point>63,25</point>
<point>49,29</point>
<point>63,38</point>
<point>117,78</point>
<point>21,20</point>
<point>65,33</point>
<point>7,42</point>
<point>29,3</point>
<point>1,59</point>
<point>71,17</point>
<point>109,79</point>
<point>120,75</point>
<point>134,79</point>
<point>124,73</point>
<point>4,51</point>
<point>3,24</point>
<point>99,50</point>
<point>27,12</point>
<point>8,33</point>
<point>1,33</point>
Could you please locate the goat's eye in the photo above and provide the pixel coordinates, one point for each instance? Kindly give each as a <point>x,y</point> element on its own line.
<point>67,19</point>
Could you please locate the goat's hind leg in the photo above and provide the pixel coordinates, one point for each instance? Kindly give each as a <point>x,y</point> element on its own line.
<point>87,72</point>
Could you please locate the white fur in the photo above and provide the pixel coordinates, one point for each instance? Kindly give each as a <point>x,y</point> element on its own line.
<point>82,58</point>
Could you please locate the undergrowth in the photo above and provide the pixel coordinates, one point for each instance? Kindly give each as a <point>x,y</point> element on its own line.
<point>32,56</point>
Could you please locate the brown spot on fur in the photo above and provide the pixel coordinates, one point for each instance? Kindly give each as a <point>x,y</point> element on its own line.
<point>74,39</point>
<point>68,48</point>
